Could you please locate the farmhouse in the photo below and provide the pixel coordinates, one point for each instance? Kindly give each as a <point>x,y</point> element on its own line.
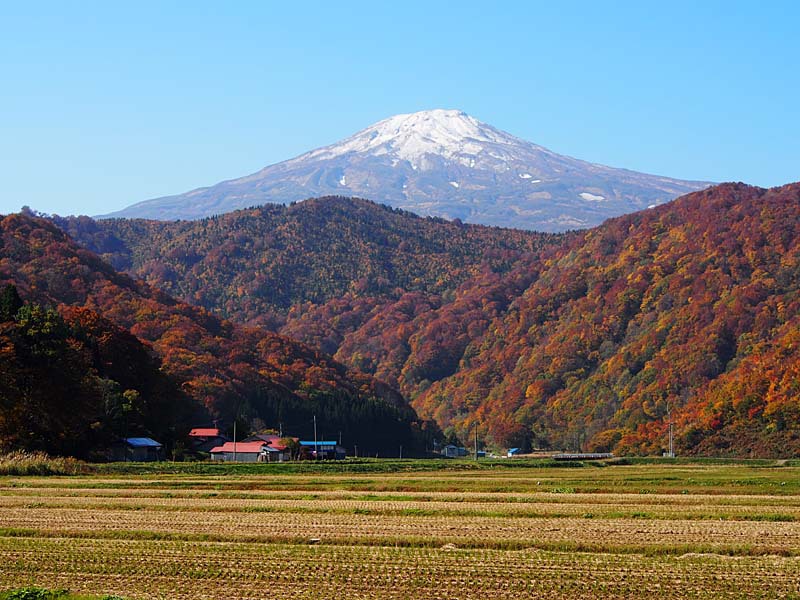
<point>137,449</point>
<point>203,439</point>
<point>238,451</point>
<point>252,451</point>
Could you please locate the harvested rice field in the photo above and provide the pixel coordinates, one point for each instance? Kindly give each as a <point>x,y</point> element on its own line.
<point>623,531</point>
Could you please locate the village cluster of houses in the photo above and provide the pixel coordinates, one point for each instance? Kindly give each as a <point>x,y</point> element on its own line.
<point>263,447</point>
<point>211,441</point>
<point>270,448</point>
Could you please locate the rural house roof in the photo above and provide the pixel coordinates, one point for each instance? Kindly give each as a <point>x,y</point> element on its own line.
<point>142,442</point>
<point>204,432</point>
<point>241,447</point>
<point>264,437</point>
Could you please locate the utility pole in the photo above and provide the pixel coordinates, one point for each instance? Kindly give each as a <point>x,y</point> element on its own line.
<point>316,451</point>
<point>401,452</point>
<point>236,418</point>
<point>671,447</point>
<point>476,441</point>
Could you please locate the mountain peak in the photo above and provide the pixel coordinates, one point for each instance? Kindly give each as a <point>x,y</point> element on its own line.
<point>441,132</point>
<point>442,163</point>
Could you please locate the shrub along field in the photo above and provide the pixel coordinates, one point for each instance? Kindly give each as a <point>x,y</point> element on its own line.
<point>403,529</point>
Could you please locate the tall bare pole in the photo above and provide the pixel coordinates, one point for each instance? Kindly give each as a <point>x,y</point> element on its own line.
<point>671,447</point>
<point>476,441</point>
<point>316,450</point>
<point>234,439</point>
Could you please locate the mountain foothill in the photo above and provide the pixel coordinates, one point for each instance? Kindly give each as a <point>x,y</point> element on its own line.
<point>683,315</point>
<point>89,354</point>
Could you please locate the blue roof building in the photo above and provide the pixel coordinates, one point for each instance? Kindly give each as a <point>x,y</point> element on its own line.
<point>324,449</point>
<point>142,442</point>
<point>137,449</point>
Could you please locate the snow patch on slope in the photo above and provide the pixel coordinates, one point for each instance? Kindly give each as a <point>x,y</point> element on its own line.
<point>591,197</point>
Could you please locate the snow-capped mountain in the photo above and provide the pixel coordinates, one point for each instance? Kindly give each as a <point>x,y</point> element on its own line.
<point>441,163</point>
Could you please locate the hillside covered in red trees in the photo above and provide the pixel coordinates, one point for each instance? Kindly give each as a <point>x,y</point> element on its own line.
<point>595,340</point>
<point>227,369</point>
<point>689,311</point>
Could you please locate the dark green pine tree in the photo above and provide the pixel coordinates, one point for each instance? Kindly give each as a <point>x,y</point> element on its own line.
<point>10,302</point>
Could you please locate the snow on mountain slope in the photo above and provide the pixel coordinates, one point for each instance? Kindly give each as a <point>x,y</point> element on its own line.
<point>440,163</point>
<point>448,133</point>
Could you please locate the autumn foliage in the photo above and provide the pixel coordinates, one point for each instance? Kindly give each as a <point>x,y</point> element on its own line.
<point>71,382</point>
<point>687,312</point>
<point>256,264</point>
<point>227,369</point>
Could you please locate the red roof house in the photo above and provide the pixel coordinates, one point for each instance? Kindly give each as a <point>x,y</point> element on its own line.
<point>239,452</point>
<point>205,438</point>
<point>251,452</point>
<point>206,432</point>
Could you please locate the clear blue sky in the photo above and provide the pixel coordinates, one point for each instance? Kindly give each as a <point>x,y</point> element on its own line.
<point>109,103</point>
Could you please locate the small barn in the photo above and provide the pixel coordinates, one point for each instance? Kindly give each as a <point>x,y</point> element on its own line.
<point>325,450</point>
<point>275,450</point>
<point>137,449</point>
<point>238,452</point>
<point>512,452</point>
<point>275,453</point>
<point>453,451</point>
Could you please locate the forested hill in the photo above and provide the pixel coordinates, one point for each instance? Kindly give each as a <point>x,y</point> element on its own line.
<point>72,382</point>
<point>226,368</point>
<point>592,340</point>
<point>690,310</point>
<point>256,262</point>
